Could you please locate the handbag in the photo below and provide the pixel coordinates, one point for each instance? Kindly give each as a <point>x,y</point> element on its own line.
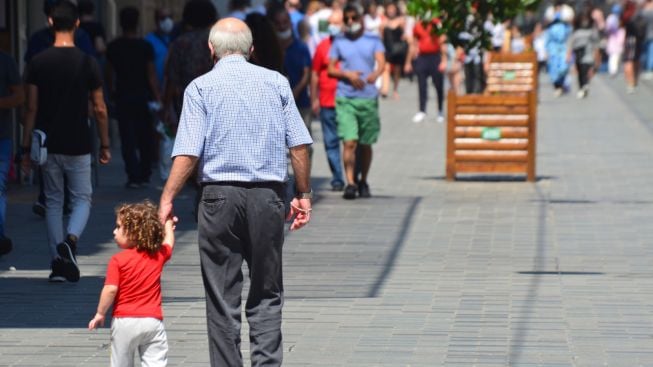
<point>38,151</point>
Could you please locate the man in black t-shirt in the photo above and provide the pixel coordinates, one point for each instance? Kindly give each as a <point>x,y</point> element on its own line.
<point>60,81</point>
<point>131,60</point>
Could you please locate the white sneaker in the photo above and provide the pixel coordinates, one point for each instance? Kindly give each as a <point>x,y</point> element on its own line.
<point>630,89</point>
<point>419,117</point>
<point>440,118</point>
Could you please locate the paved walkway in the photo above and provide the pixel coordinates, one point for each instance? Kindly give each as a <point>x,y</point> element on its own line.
<point>426,273</point>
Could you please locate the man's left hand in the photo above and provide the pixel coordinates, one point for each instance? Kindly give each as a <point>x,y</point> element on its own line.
<point>301,210</point>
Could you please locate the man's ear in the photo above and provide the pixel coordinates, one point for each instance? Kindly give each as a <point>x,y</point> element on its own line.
<point>251,51</point>
<point>77,24</point>
<point>50,21</point>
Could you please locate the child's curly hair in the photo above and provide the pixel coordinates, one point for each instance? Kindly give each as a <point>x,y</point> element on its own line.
<point>140,223</point>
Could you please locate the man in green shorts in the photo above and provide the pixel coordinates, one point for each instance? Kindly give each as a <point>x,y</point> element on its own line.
<point>362,59</point>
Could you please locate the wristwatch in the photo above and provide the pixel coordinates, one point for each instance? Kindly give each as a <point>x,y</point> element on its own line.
<point>305,195</point>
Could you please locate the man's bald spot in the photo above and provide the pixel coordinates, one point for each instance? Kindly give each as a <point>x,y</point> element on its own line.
<point>231,25</point>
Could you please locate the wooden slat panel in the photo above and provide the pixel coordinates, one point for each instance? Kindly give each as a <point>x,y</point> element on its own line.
<point>476,131</point>
<point>509,88</point>
<point>491,123</point>
<point>490,156</point>
<point>481,144</point>
<point>528,56</point>
<point>480,109</point>
<point>525,80</point>
<point>473,167</point>
<point>511,66</point>
<point>518,73</point>
<point>478,99</point>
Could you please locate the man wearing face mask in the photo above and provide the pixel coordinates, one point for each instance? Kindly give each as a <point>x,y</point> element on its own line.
<point>296,62</point>
<point>323,101</point>
<point>160,39</point>
<point>357,106</point>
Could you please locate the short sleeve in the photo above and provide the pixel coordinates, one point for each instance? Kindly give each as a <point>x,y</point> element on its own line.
<point>334,52</point>
<point>296,132</point>
<point>94,77</point>
<point>113,273</point>
<point>192,124</point>
<point>166,251</point>
<point>31,76</point>
<point>306,55</point>
<point>378,46</point>
<point>13,78</point>
<point>149,51</point>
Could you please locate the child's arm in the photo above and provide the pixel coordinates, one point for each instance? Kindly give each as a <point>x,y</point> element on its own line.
<point>106,300</point>
<point>169,232</point>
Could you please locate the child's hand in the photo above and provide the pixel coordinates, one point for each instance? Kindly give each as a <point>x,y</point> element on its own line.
<point>171,224</point>
<point>97,321</point>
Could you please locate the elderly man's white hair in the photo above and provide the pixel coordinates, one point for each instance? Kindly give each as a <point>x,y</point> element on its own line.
<point>230,36</point>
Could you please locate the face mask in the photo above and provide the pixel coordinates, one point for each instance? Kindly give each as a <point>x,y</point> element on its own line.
<point>334,29</point>
<point>354,28</point>
<point>166,25</point>
<point>285,34</point>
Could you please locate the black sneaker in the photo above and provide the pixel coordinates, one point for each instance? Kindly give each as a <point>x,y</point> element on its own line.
<point>350,192</point>
<point>5,246</point>
<point>69,267</point>
<point>38,209</point>
<point>71,240</point>
<point>338,186</point>
<point>364,190</point>
<point>56,275</point>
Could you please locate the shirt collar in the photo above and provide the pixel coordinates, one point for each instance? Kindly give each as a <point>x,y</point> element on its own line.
<point>229,59</point>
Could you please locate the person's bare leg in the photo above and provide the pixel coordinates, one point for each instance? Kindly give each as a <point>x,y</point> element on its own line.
<point>396,75</point>
<point>629,73</point>
<point>366,160</point>
<point>349,160</point>
<point>385,85</point>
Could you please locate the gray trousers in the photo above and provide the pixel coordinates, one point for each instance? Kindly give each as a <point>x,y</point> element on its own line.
<point>236,222</point>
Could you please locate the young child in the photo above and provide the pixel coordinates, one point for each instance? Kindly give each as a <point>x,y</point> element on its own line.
<point>133,286</point>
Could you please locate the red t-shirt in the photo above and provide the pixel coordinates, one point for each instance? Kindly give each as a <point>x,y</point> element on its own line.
<point>137,275</point>
<point>326,85</point>
<point>427,41</point>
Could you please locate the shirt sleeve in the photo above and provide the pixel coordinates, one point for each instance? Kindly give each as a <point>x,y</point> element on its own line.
<point>296,132</point>
<point>166,251</point>
<point>306,55</point>
<point>30,76</point>
<point>192,124</point>
<point>95,77</point>
<point>378,47</point>
<point>113,272</point>
<point>13,78</point>
<point>334,52</point>
<point>317,59</point>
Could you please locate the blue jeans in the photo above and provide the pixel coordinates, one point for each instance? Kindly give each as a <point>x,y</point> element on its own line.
<point>5,161</point>
<point>332,144</point>
<point>77,168</point>
<point>649,55</point>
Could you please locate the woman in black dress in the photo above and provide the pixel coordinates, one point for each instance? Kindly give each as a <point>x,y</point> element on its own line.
<point>396,48</point>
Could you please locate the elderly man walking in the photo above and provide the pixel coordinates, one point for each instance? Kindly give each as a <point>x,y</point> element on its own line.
<point>237,123</point>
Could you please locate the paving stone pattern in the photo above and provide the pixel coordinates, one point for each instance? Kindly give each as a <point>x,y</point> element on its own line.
<point>478,272</point>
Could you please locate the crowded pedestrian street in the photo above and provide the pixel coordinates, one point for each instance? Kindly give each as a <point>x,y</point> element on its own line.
<point>481,271</point>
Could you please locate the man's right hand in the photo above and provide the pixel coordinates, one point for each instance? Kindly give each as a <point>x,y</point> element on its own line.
<point>408,68</point>
<point>354,78</point>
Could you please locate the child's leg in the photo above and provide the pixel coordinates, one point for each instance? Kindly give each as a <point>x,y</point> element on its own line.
<point>124,341</point>
<point>154,350</point>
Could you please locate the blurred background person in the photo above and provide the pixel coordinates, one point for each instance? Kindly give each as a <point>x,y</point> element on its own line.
<point>584,47</point>
<point>92,27</point>
<point>616,37</point>
<point>393,30</point>
<point>557,39</point>
<point>130,62</point>
<point>633,45</point>
<point>296,61</point>
<point>238,9</point>
<point>647,19</point>
<point>267,51</point>
<point>323,101</point>
<point>159,39</point>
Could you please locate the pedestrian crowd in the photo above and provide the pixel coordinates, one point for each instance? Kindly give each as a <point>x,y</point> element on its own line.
<point>228,105</point>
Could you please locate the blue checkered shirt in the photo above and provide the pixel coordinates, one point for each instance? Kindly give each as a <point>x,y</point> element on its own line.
<point>239,119</point>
